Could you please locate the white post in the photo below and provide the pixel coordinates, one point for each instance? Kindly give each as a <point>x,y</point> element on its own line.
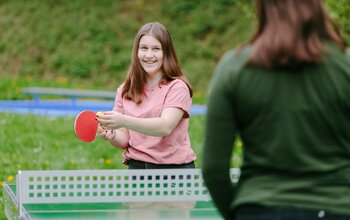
<point>19,194</point>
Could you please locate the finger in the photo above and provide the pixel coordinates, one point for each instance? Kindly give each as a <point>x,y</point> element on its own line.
<point>102,121</point>
<point>108,126</point>
<point>108,113</point>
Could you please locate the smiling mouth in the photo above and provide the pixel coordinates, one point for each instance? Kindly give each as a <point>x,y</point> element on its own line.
<point>149,62</point>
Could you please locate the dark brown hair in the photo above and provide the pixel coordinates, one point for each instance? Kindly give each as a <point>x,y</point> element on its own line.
<point>136,79</point>
<point>291,33</point>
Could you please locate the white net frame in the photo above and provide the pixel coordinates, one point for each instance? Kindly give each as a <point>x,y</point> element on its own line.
<point>82,186</point>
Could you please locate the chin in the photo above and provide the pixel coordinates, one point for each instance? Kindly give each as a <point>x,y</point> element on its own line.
<point>151,71</point>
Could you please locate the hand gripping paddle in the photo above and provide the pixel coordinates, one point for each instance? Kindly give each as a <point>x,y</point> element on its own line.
<point>85,126</point>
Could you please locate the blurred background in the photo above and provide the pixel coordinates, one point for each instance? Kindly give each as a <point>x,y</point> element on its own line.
<point>86,44</point>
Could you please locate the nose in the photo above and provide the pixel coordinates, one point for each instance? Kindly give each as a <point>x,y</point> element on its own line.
<point>149,53</point>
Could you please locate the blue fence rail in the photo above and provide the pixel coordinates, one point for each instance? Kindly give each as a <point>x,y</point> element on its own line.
<point>62,108</point>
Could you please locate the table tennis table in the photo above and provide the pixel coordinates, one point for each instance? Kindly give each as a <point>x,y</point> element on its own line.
<point>110,194</point>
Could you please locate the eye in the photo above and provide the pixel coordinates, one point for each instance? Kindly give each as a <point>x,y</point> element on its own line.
<point>157,49</point>
<point>143,48</point>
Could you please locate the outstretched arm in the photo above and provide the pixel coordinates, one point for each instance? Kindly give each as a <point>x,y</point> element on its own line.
<point>160,126</point>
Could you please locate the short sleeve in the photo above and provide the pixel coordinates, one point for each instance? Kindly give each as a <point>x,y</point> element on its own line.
<point>118,101</point>
<point>178,96</point>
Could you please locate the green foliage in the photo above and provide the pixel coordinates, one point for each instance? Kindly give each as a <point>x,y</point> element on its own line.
<point>340,12</point>
<point>90,41</point>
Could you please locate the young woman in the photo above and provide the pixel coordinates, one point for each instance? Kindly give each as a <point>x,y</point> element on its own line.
<point>286,94</point>
<point>152,107</point>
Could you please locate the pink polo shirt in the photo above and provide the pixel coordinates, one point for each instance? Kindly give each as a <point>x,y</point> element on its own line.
<point>174,148</point>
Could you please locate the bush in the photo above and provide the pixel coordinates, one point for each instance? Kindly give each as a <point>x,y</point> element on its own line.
<point>90,41</point>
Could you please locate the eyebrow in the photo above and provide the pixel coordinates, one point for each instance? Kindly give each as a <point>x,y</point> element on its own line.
<point>155,45</point>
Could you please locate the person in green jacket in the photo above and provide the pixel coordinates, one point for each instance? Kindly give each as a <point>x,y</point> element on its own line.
<point>286,95</point>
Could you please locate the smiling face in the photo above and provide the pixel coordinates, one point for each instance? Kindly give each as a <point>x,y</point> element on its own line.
<point>150,54</point>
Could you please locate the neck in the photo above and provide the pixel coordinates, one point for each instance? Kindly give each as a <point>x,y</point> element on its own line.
<point>153,79</point>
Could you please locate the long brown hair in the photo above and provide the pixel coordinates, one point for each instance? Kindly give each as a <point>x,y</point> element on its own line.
<point>291,33</point>
<point>136,79</point>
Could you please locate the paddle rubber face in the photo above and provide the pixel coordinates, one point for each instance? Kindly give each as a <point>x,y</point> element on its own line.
<point>85,126</point>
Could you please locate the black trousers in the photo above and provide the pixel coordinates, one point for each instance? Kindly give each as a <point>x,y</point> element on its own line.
<point>136,164</point>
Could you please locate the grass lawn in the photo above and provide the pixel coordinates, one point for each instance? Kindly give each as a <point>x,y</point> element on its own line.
<point>30,142</point>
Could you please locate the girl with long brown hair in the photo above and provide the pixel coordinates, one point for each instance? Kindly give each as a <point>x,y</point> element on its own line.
<point>286,94</point>
<point>152,107</point>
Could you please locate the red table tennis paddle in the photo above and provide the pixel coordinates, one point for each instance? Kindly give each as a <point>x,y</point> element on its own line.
<point>85,126</point>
